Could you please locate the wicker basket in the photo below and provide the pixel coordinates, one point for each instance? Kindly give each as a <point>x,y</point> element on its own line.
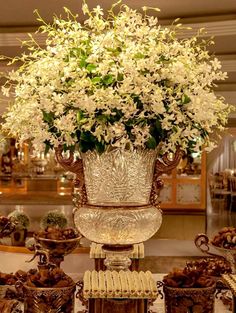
<point>195,300</point>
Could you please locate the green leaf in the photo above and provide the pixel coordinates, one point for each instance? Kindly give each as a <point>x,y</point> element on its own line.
<point>79,116</point>
<point>191,144</point>
<point>48,146</point>
<point>151,143</point>
<point>204,133</point>
<point>108,79</point>
<point>139,55</point>
<point>115,117</point>
<point>88,137</point>
<point>185,99</point>
<point>100,147</point>
<point>96,80</point>
<point>48,117</point>
<point>141,122</point>
<point>102,118</point>
<point>120,77</point>
<point>69,81</point>
<point>82,63</point>
<point>138,102</point>
<point>162,58</point>
<point>77,52</point>
<point>91,67</point>
<point>67,58</point>
<point>114,51</point>
<point>84,146</point>
<point>158,126</point>
<point>77,133</point>
<point>130,122</point>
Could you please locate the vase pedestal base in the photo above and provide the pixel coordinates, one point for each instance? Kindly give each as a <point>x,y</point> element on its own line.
<point>117,257</point>
<point>97,253</point>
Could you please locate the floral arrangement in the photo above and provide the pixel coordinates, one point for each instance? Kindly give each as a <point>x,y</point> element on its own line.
<point>53,219</point>
<point>120,81</point>
<point>20,218</point>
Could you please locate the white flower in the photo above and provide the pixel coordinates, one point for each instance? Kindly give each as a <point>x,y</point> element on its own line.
<point>117,81</point>
<point>216,64</point>
<point>85,8</point>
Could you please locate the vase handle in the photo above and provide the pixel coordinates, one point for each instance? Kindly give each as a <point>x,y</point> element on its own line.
<point>166,164</point>
<point>202,243</point>
<point>163,165</point>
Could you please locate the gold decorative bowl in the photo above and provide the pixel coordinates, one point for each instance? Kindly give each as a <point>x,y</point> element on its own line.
<point>204,244</point>
<point>57,249</point>
<point>50,300</point>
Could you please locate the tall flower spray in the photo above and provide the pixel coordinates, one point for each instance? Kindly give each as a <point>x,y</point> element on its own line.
<point>120,81</point>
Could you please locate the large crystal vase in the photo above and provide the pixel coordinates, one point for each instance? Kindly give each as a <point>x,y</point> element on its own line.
<point>116,198</point>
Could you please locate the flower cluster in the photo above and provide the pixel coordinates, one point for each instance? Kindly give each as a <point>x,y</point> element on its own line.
<point>20,218</point>
<point>121,81</point>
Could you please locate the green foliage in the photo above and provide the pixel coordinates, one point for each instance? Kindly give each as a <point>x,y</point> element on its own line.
<point>151,143</point>
<point>22,219</point>
<point>55,219</point>
<point>94,85</point>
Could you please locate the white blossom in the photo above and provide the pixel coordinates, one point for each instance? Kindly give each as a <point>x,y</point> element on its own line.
<point>122,81</point>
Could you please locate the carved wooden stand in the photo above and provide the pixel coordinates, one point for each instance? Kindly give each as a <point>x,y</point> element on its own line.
<point>118,305</point>
<point>116,299</point>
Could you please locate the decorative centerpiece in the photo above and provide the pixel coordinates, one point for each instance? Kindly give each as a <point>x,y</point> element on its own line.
<point>188,290</point>
<point>120,99</point>
<point>47,289</point>
<point>224,242</point>
<point>55,238</point>
<point>53,218</point>
<point>22,222</point>
<point>6,226</point>
<point>58,242</point>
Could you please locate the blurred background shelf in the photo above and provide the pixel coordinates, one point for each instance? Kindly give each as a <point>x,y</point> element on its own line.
<point>35,197</point>
<point>13,249</point>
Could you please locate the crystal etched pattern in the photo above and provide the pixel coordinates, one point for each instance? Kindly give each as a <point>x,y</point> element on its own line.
<point>113,225</point>
<point>119,177</point>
